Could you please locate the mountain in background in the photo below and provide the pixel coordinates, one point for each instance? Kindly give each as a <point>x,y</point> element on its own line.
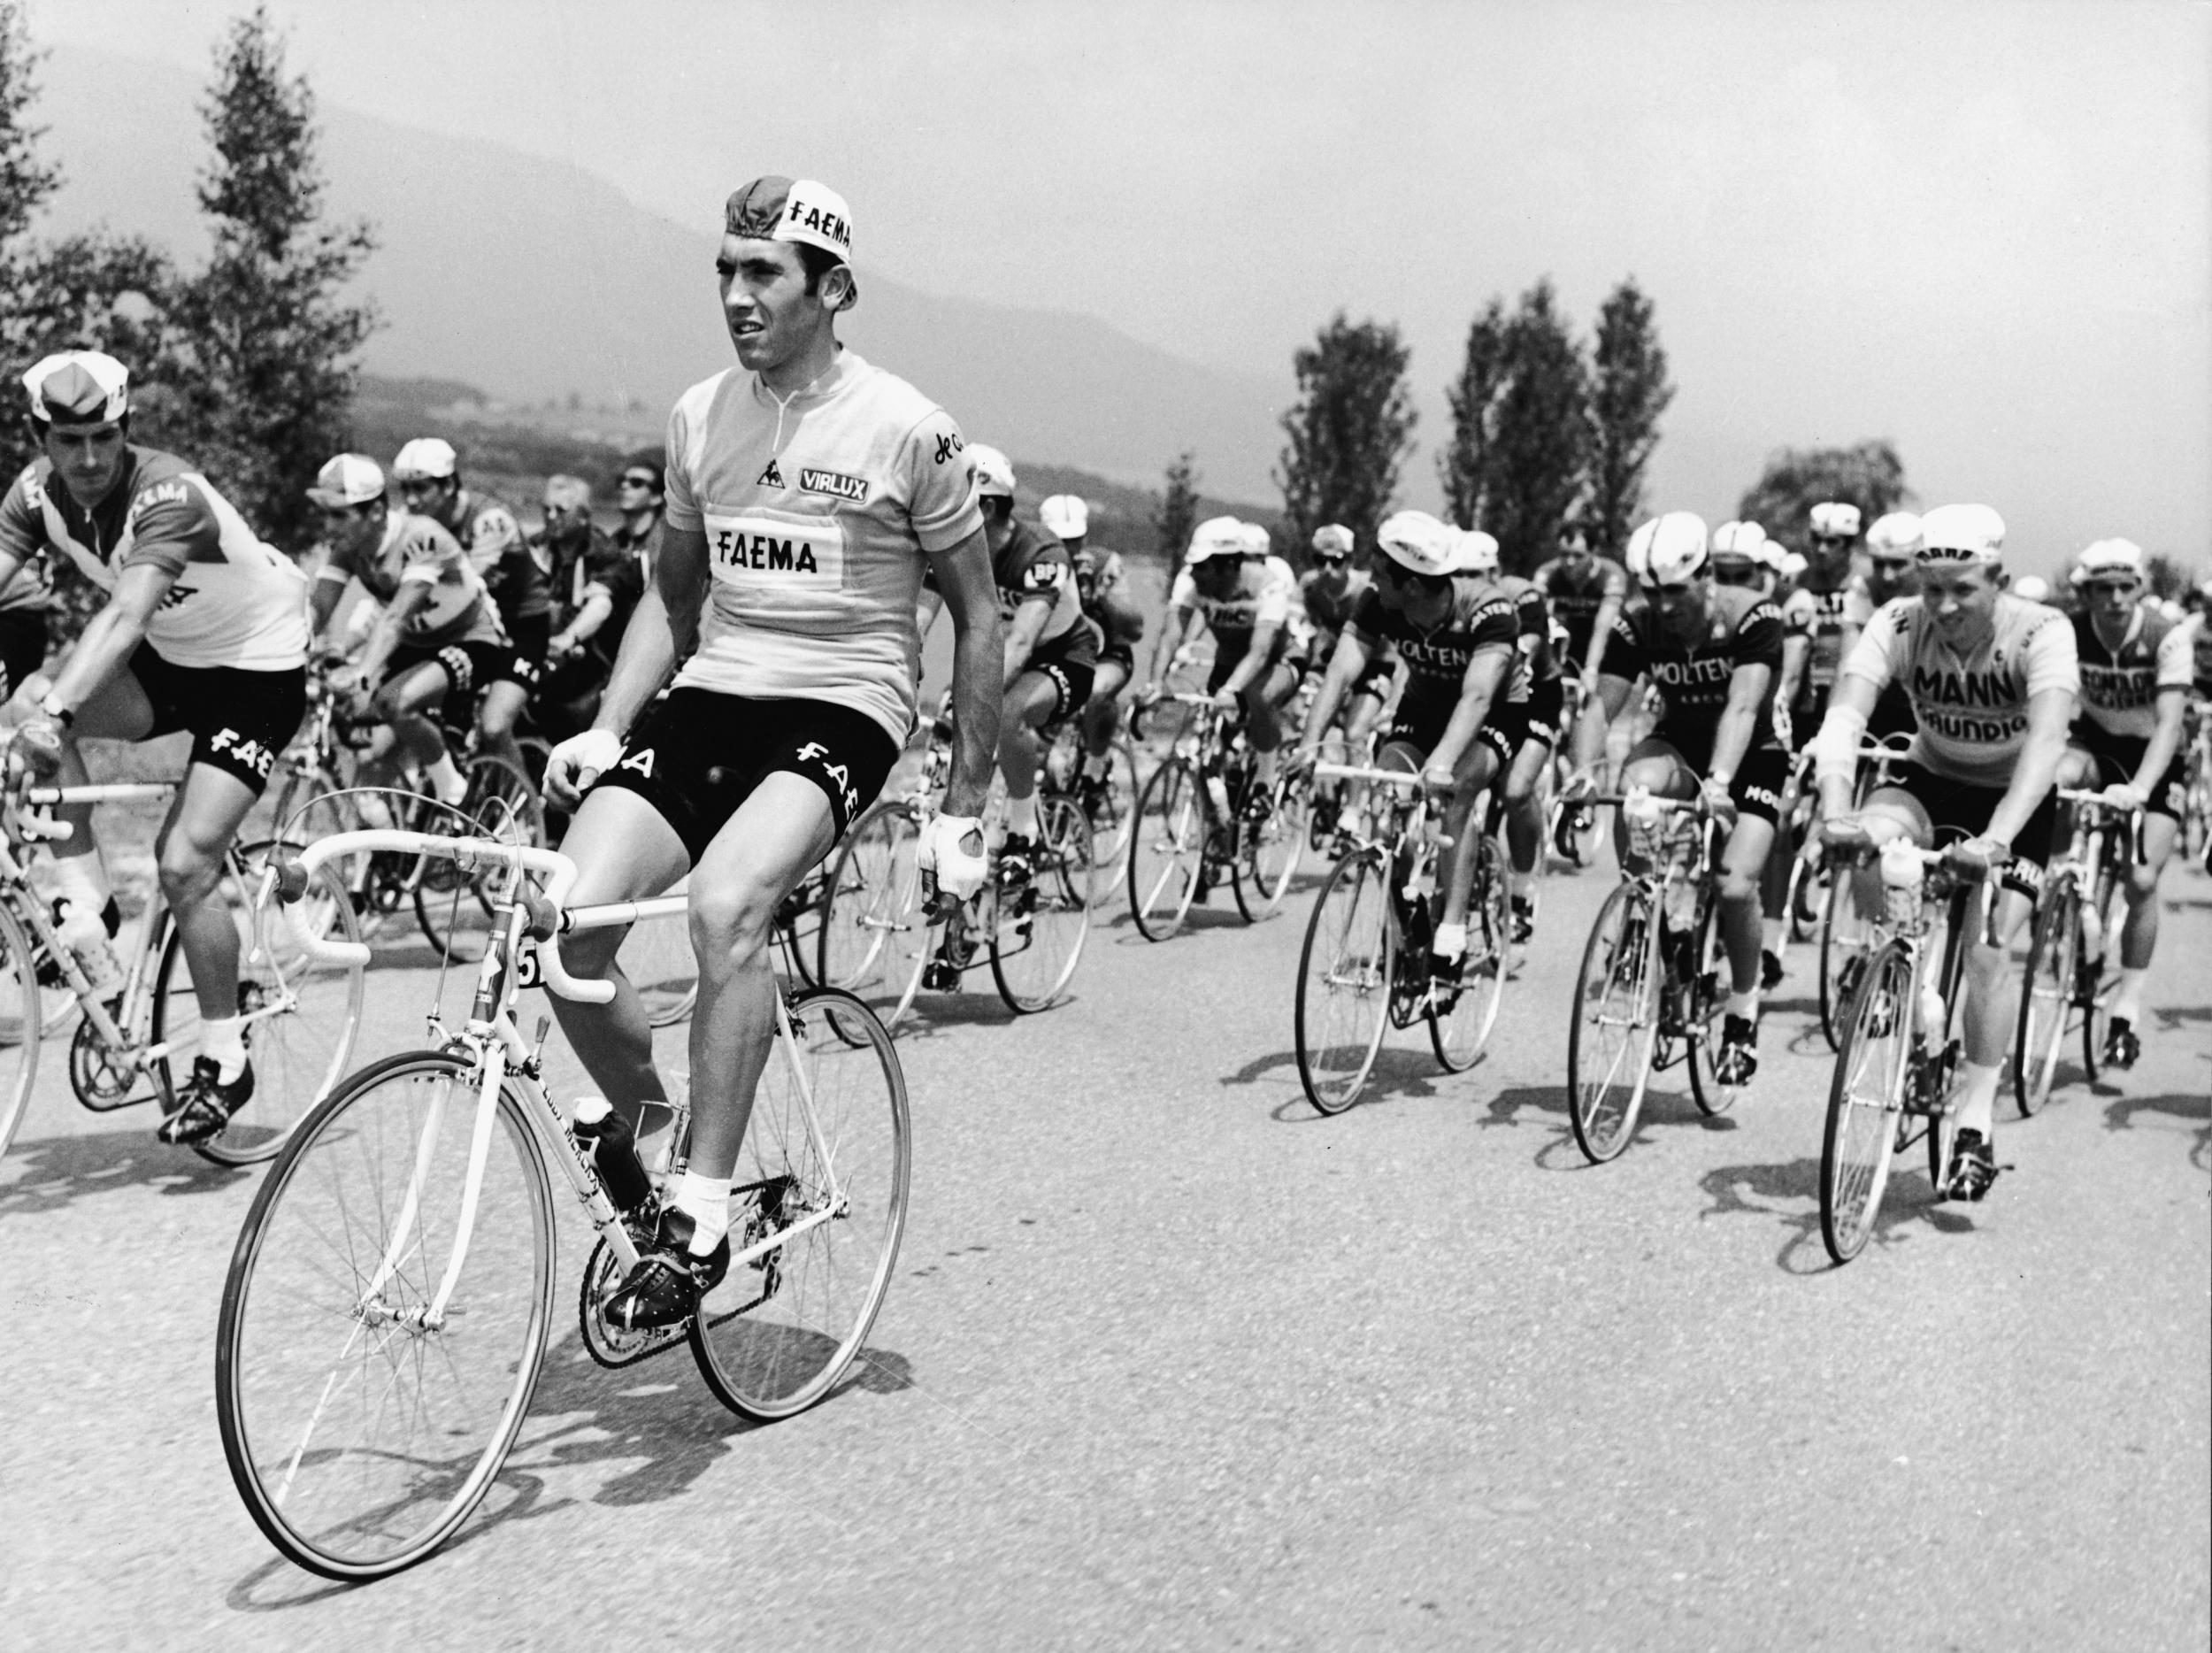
<point>538,281</point>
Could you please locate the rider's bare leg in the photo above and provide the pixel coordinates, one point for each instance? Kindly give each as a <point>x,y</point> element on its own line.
<point>188,853</point>
<point>496,716</point>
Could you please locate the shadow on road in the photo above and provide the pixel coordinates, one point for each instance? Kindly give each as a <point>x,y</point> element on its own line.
<point>1781,1191</point>
<point>1400,1074</point>
<point>54,1172</point>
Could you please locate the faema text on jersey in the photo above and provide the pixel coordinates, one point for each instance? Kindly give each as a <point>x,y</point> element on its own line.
<point>766,555</point>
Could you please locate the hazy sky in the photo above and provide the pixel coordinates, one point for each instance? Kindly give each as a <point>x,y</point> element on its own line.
<point>1982,229</point>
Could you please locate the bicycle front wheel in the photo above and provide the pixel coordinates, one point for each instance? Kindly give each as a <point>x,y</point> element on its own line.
<point>1167,848</point>
<point>2046,999</point>
<point>1038,928</point>
<point>1866,1102</point>
<point>1701,1026</point>
<point>1616,1023</point>
<point>22,1023</point>
<point>1847,942</point>
<point>1344,979</point>
<point>302,1014</point>
<point>359,1435</point>
<point>823,1173</point>
<point>1270,856</point>
<point>1459,1025</point>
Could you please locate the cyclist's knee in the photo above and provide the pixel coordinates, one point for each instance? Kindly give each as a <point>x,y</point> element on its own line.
<point>731,922</point>
<point>1737,887</point>
<point>187,868</point>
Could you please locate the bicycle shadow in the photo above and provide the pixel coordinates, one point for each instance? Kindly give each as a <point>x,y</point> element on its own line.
<point>2121,1112</point>
<point>1400,1074</point>
<point>656,1416</point>
<point>1769,1190</point>
<point>52,1173</point>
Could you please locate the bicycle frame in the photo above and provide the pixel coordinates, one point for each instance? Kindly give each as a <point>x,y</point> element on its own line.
<point>498,1051</point>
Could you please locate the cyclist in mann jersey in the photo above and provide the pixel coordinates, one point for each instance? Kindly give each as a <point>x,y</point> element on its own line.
<point>1992,681</point>
<point>806,490</point>
<point>2135,681</point>
<point>1713,652</point>
<point>429,474</point>
<point>1330,591</point>
<point>1527,718</point>
<point>1244,601</point>
<point>438,631</point>
<point>1455,632</point>
<point>1101,585</point>
<point>205,629</point>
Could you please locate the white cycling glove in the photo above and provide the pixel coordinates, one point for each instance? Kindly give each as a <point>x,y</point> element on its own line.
<point>581,759</point>
<point>943,849</point>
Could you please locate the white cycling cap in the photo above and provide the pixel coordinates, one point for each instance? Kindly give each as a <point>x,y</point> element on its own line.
<point>2032,589</point>
<point>429,457</point>
<point>1898,533</point>
<point>2109,556</point>
<point>78,388</point>
<point>1669,551</point>
<point>1256,541</point>
<point>1415,540</point>
<point>993,471</point>
<point>1065,517</point>
<point>1962,533</point>
<point>1333,539</point>
<point>1478,552</point>
<point>350,479</point>
<point>1217,536</point>
<point>1837,517</point>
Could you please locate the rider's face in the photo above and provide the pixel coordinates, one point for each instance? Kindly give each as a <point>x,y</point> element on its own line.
<point>352,529</point>
<point>1959,597</point>
<point>88,458</point>
<point>1680,607</point>
<point>771,316</point>
<point>1217,576</point>
<point>1889,576</point>
<point>2114,598</point>
<point>1407,592</point>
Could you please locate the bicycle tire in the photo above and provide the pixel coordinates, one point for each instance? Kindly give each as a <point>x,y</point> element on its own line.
<point>456,913</point>
<point>2047,997</point>
<point>368,1508</point>
<point>1706,1017</point>
<point>2089,986</point>
<point>1460,1034</point>
<point>874,936</point>
<point>1267,859</point>
<point>776,1335</point>
<point>1623,938</point>
<point>1346,966</point>
<point>22,1025</point>
<point>1038,929</point>
<point>1844,946</point>
<point>298,1056</point>
<point>1866,1099</point>
<point>1167,848</point>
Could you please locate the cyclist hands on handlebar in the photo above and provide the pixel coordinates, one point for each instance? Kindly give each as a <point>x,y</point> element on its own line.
<point>572,766</point>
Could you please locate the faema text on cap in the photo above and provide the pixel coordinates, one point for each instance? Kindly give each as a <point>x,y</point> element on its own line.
<point>426,459</point>
<point>805,210</point>
<point>1835,519</point>
<point>349,479</point>
<point>1065,517</point>
<point>78,388</point>
<point>1962,533</point>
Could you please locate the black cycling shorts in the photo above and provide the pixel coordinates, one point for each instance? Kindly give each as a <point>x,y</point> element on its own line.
<point>1892,715</point>
<point>1960,810</point>
<point>22,647</point>
<point>1422,719</point>
<point>240,721</point>
<point>2120,756</point>
<point>697,756</point>
<point>1119,654</point>
<point>1226,662</point>
<point>1756,787</point>
<point>470,668</point>
<point>1547,704</point>
<point>533,635</point>
<point>1068,663</point>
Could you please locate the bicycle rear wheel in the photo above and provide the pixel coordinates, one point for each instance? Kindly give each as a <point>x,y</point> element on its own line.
<point>1866,1102</point>
<point>454,907</point>
<point>1116,810</point>
<point>657,957</point>
<point>2047,998</point>
<point>359,1437</point>
<point>874,934</point>
<point>1268,858</point>
<point>1166,848</point>
<point>1616,1023</point>
<point>773,1337</point>
<point>1847,942</point>
<point>1038,927</point>
<point>1344,979</point>
<point>22,1024</point>
<point>1458,1031</point>
<point>302,1014</point>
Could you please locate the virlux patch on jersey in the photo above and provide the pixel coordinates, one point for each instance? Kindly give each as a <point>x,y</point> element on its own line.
<point>834,483</point>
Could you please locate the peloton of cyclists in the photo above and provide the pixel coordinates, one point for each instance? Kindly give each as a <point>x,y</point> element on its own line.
<point>2136,672</point>
<point>1329,592</point>
<point>1993,680</point>
<point>1101,584</point>
<point>205,630</point>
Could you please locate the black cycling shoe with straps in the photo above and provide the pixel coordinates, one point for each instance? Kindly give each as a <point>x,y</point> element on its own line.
<point>1738,1058</point>
<point>1973,1167</point>
<point>205,1104</point>
<point>666,1286</point>
<point>1017,858</point>
<point>1771,972</point>
<point>2123,1048</point>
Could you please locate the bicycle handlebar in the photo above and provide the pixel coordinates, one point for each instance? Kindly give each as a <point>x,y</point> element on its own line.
<point>1353,771</point>
<point>288,879</point>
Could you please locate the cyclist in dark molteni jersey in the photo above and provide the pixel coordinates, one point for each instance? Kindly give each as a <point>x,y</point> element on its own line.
<point>1587,592</point>
<point>1713,651</point>
<point>1331,590</point>
<point>1527,718</point>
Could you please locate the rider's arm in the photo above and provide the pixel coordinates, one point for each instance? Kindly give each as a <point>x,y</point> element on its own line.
<point>1021,634</point>
<point>1836,748</point>
<point>1748,688</point>
<point>1610,606</point>
<point>1182,602</point>
<point>598,605</point>
<point>391,626</point>
<point>1345,666</point>
<point>978,656</point>
<point>112,635</point>
<point>1257,652</point>
<point>1486,671</point>
<point>2165,740</point>
<point>1278,590</point>
<point>1797,649</point>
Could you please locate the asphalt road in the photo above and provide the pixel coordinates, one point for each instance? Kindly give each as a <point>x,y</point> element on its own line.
<point>1170,1360</point>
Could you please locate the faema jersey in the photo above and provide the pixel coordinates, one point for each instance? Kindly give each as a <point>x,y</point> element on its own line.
<point>2120,682</point>
<point>817,513</point>
<point>1696,677</point>
<point>1576,596</point>
<point>1482,616</point>
<point>1031,566</point>
<point>232,600</point>
<point>1263,594</point>
<point>499,552</point>
<point>1972,713</point>
<point>1824,611</point>
<point>415,551</point>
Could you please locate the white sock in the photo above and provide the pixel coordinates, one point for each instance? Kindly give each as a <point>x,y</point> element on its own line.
<point>1771,932</point>
<point>446,780</point>
<point>1978,1099</point>
<point>1516,883</point>
<point>2127,998</point>
<point>1449,942</point>
<point>706,1200</point>
<point>224,1039</point>
<point>82,882</point>
<point>1021,815</point>
<point>1744,1004</point>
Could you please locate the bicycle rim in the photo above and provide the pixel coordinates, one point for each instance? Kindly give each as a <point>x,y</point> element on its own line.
<point>1344,979</point>
<point>22,1020</point>
<point>1703,1035</point>
<point>657,957</point>
<point>1116,809</point>
<point>1166,848</point>
<point>1038,930</point>
<point>873,932</point>
<point>1866,1102</point>
<point>2046,997</point>
<point>1270,858</point>
<point>1616,1023</point>
<point>773,1337</point>
<point>360,1443</point>
<point>1845,943</point>
<point>1458,1033</point>
<point>303,1015</point>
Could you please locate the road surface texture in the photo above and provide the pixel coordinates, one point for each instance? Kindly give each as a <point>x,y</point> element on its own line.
<point>1171,1362</point>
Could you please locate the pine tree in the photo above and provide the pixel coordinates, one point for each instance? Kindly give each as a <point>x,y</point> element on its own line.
<point>1465,467</point>
<point>1349,433</point>
<point>1628,392</point>
<point>1178,513</point>
<point>1540,428</point>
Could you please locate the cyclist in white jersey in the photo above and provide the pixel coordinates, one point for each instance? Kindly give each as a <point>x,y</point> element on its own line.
<point>806,489</point>
<point>205,630</point>
<point>1992,681</point>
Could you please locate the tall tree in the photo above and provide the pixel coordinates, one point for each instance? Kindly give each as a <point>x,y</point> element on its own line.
<point>1463,467</point>
<point>1628,392</point>
<point>1178,509</point>
<point>273,365</point>
<point>1540,434</point>
<point>1868,474</point>
<point>1349,432</point>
